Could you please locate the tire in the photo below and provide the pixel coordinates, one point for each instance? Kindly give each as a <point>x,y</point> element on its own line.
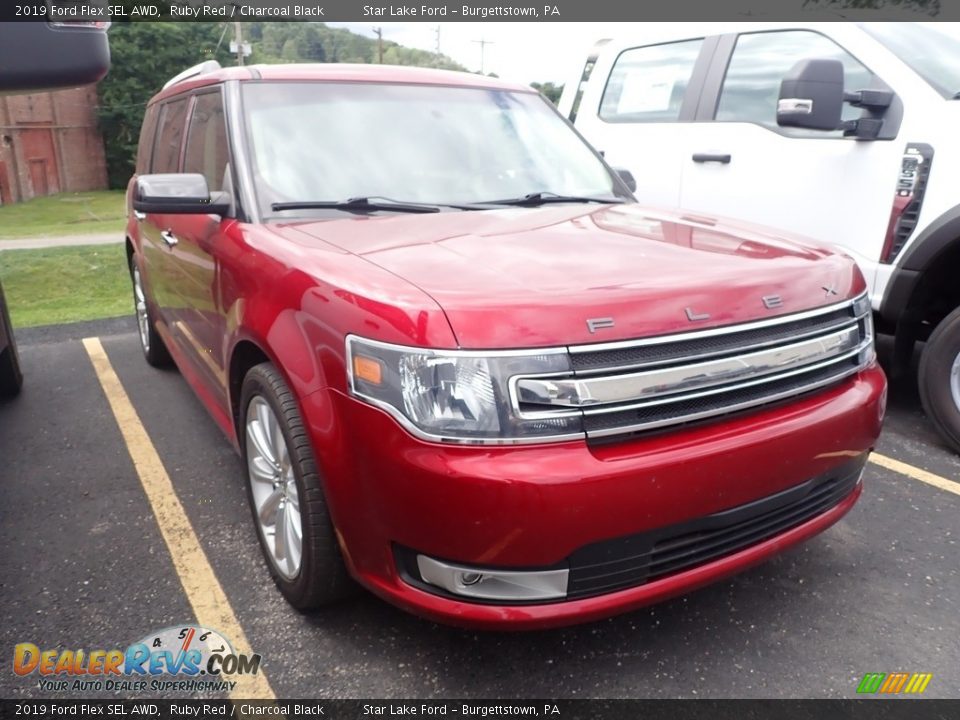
<point>939,378</point>
<point>11,377</point>
<point>154,349</point>
<point>284,487</point>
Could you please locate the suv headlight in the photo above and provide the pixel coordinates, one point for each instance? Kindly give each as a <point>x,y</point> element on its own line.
<point>456,396</point>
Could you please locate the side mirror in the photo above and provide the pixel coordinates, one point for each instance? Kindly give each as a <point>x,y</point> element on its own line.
<point>628,179</point>
<point>178,194</point>
<point>811,95</point>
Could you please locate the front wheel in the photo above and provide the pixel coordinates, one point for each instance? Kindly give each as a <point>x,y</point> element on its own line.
<point>151,343</point>
<point>286,495</point>
<point>939,378</point>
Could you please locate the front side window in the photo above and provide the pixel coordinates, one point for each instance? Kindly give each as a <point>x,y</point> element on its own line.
<point>648,84</point>
<point>166,151</point>
<point>207,141</point>
<point>758,65</point>
<point>415,143</point>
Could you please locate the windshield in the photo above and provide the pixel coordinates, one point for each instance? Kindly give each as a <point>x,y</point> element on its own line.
<point>931,53</point>
<point>411,143</point>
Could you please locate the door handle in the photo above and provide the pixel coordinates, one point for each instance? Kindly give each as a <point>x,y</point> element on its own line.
<point>169,238</point>
<point>139,215</point>
<point>723,158</point>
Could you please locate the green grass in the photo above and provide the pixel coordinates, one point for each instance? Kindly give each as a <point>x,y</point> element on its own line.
<point>103,211</point>
<point>65,284</point>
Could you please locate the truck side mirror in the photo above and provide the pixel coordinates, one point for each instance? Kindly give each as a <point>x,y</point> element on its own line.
<point>628,179</point>
<point>811,95</point>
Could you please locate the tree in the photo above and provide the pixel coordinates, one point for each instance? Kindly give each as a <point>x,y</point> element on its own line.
<point>144,56</point>
<point>549,90</point>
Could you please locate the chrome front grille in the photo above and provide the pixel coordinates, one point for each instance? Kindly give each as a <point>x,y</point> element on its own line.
<point>655,383</point>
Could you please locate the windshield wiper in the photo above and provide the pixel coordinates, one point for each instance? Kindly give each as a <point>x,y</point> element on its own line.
<point>544,197</point>
<point>956,95</point>
<point>357,203</point>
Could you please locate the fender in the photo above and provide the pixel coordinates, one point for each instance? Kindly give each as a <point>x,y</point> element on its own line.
<point>935,240</point>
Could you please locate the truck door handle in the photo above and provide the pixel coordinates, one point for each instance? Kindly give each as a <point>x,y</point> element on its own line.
<point>139,215</point>
<point>169,238</point>
<point>723,158</point>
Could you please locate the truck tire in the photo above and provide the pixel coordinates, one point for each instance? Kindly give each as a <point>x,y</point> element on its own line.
<point>939,378</point>
<point>285,491</point>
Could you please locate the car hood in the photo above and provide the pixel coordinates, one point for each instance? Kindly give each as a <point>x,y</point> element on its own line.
<point>529,277</point>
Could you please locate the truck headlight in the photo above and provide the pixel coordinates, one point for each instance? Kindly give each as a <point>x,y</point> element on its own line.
<point>453,395</point>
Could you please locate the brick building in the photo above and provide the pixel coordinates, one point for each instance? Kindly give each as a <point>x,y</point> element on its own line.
<point>50,143</point>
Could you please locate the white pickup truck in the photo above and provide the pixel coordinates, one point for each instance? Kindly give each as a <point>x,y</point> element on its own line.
<point>843,132</point>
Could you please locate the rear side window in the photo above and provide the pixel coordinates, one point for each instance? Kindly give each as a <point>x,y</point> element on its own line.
<point>166,151</point>
<point>759,63</point>
<point>207,141</point>
<point>648,84</point>
<point>145,147</point>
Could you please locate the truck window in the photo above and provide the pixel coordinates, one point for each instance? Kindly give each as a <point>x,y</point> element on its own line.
<point>759,62</point>
<point>647,84</point>
<point>207,141</point>
<point>166,152</point>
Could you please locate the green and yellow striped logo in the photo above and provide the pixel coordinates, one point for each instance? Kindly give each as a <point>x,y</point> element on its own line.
<point>893,683</point>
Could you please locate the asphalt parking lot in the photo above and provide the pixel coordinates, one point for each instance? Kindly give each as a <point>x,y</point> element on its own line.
<point>85,565</point>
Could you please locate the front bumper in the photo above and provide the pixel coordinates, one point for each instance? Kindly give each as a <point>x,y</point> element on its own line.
<point>547,505</point>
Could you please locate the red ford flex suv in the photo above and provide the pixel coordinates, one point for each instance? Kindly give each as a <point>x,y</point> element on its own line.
<point>465,368</point>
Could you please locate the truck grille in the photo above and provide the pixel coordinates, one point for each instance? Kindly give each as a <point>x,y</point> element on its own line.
<point>620,389</point>
<point>629,561</point>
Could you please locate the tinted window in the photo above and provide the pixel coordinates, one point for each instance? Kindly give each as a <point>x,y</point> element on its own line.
<point>166,152</point>
<point>207,141</point>
<point>145,148</point>
<point>648,84</point>
<point>759,63</point>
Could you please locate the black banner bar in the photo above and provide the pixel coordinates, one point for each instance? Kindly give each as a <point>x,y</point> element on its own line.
<point>875,709</point>
<point>472,10</point>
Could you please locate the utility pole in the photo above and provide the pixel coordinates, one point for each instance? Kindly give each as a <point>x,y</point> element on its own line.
<point>379,32</point>
<point>238,33</point>
<point>483,46</point>
<point>437,33</point>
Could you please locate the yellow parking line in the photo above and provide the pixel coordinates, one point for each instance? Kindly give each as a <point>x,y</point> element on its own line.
<point>916,473</point>
<point>203,590</point>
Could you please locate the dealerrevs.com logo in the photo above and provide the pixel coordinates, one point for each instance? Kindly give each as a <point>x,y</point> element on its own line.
<point>186,658</point>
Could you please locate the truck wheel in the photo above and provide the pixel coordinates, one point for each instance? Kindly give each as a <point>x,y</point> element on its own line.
<point>286,495</point>
<point>11,377</point>
<point>151,343</point>
<point>940,378</point>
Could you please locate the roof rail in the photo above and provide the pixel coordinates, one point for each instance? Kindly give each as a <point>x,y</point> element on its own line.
<point>202,69</point>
